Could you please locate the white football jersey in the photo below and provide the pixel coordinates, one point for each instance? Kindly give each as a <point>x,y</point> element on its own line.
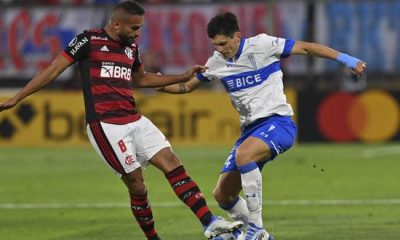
<point>253,78</point>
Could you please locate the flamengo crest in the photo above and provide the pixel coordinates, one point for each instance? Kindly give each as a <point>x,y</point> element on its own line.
<point>129,52</point>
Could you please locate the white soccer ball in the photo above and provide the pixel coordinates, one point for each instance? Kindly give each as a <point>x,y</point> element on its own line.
<point>229,236</point>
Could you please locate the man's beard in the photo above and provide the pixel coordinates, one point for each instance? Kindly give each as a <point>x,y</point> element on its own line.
<point>127,41</point>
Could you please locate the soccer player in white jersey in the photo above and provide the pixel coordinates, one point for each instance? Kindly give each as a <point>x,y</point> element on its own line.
<point>249,69</point>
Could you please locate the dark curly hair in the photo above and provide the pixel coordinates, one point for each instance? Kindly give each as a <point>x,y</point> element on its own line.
<point>225,23</point>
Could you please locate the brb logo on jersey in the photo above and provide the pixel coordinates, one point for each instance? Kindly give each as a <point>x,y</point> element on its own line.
<point>108,70</point>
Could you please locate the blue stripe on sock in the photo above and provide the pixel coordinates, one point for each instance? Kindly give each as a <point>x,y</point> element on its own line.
<point>248,167</point>
<point>212,220</point>
<point>230,205</point>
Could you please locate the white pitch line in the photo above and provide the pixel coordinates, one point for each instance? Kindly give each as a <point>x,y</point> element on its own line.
<point>381,151</point>
<point>336,202</point>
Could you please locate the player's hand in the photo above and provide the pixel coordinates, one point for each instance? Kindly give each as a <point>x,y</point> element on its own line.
<point>359,69</point>
<point>357,66</point>
<point>193,70</point>
<point>8,104</point>
<point>160,89</point>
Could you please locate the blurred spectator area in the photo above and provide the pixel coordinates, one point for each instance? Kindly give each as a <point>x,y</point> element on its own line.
<point>105,2</point>
<point>57,2</point>
<point>174,36</point>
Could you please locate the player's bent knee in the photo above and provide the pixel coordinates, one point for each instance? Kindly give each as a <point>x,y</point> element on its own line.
<point>134,183</point>
<point>166,160</point>
<point>243,156</point>
<point>137,188</point>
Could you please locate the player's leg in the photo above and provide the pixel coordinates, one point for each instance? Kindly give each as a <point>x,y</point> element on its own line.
<point>113,144</point>
<point>229,185</point>
<point>184,187</point>
<point>264,142</point>
<point>189,193</point>
<point>152,147</point>
<point>140,204</point>
<point>226,193</point>
<point>155,149</point>
<point>251,151</point>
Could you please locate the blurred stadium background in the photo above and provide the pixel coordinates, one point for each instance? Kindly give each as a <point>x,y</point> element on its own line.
<point>343,120</point>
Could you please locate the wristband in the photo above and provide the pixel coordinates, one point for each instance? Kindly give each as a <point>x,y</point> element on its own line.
<point>348,60</point>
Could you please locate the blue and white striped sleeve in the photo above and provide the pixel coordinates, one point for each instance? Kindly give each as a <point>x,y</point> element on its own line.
<point>207,76</point>
<point>287,49</point>
<point>276,46</point>
<point>202,77</point>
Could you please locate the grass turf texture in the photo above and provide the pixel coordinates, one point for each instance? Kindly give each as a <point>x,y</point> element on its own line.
<point>69,194</point>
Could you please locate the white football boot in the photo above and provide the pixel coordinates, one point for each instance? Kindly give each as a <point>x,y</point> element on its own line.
<point>255,233</point>
<point>219,225</point>
<point>235,235</point>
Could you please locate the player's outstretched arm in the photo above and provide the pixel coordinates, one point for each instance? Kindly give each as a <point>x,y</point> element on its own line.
<point>42,79</point>
<point>356,65</point>
<point>152,80</point>
<point>181,88</point>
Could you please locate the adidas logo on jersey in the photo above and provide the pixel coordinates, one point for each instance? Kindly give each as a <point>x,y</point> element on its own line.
<point>104,49</point>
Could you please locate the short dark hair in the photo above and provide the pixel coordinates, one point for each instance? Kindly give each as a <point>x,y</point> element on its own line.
<point>130,7</point>
<point>225,23</point>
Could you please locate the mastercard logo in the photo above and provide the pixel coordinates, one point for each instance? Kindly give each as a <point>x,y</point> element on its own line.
<point>371,116</point>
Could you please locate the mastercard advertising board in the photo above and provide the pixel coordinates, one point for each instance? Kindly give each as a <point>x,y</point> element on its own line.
<point>369,116</point>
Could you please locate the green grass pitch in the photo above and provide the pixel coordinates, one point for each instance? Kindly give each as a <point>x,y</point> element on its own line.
<point>313,192</point>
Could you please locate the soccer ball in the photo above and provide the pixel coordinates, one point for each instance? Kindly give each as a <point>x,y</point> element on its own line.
<point>237,235</point>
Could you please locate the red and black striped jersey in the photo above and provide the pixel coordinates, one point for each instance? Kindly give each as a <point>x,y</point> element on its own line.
<point>106,67</point>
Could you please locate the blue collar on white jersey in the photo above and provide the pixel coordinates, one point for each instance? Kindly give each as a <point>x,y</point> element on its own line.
<point>239,51</point>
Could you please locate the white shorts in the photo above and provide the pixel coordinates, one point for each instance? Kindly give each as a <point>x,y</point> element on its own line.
<point>126,147</point>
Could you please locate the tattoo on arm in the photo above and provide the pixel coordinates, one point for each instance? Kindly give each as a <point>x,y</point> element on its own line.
<point>182,88</point>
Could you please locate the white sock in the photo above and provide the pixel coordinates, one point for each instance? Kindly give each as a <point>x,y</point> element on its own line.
<point>252,188</point>
<point>238,210</point>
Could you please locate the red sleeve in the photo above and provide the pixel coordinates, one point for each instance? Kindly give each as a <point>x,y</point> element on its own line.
<point>67,56</point>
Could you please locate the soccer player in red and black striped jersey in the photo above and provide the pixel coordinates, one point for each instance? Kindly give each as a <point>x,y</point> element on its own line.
<point>126,140</point>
